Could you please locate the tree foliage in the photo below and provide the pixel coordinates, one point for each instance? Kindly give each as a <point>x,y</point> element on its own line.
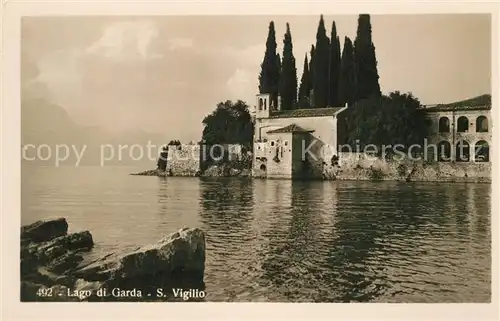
<point>347,78</point>
<point>229,123</point>
<point>321,66</point>
<point>174,142</point>
<point>305,86</point>
<point>388,120</point>
<point>366,62</point>
<point>288,77</point>
<point>311,75</point>
<point>270,67</point>
<point>334,73</point>
<point>162,159</point>
<point>278,63</point>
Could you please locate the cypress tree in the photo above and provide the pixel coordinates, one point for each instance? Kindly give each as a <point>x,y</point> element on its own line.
<point>321,66</point>
<point>288,78</point>
<point>311,77</point>
<point>270,72</point>
<point>347,79</point>
<point>333,97</point>
<point>366,62</point>
<point>305,86</point>
<point>278,62</point>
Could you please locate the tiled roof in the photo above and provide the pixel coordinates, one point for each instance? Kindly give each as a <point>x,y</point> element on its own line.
<point>293,128</point>
<point>310,112</point>
<point>482,102</point>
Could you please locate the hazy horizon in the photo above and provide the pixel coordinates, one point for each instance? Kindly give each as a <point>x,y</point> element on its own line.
<point>160,76</point>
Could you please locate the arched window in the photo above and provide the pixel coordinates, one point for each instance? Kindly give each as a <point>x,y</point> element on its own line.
<point>482,124</point>
<point>261,103</point>
<point>444,151</point>
<point>444,125</point>
<point>462,124</point>
<point>482,151</point>
<point>265,104</point>
<point>462,151</point>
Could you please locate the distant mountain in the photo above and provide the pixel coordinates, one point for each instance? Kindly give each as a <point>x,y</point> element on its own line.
<point>43,123</point>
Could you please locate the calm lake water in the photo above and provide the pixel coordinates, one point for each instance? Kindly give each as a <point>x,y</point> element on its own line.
<point>277,240</point>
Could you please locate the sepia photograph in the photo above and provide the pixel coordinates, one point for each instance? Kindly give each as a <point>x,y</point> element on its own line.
<point>281,158</point>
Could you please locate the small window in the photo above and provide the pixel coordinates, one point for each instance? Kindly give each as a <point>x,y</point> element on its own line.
<point>462,151</point>
<point>462,124</point>
<point>286,143</point>
<point>482,124</point>
<point>272,143</point>
<point>444,125</point>
<point>482,151</point>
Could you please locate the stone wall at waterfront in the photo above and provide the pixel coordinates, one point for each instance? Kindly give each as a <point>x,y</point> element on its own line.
<point>186,160</point>
<point>183,160</point>
<point>189,159</point>
<point>357,166</point>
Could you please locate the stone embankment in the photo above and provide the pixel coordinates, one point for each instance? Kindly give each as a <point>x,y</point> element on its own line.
<point>212,171</point>
<point>226,170</point>
<point>345,166</point>
<point>153,172</point>
<point>234,168</point>
<point>54,267</point>
<point>376,169</point>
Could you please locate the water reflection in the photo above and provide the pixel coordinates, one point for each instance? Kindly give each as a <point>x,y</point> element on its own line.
<point>226,209</point>
<point>358,228</point>
<point>374,242</point>
<point>277,240</point>
<point>292,265</point>
<point>175,207</point>
<point>226,203</point>
<point>393,241</point>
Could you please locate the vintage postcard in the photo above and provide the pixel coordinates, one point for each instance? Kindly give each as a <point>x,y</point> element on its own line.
<point>275,157</point>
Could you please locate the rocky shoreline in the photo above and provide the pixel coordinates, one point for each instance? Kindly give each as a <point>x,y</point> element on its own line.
<point>360,175</point>
<point>212,171</point>
<point>55,267</point>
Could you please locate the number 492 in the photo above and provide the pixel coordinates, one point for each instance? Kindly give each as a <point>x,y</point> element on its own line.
<point>44,292</point>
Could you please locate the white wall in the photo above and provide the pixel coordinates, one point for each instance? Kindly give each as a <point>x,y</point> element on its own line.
<point>325,128</point>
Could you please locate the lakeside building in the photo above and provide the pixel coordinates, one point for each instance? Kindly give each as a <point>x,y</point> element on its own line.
<point>461,131</point>
<point>282,136</point>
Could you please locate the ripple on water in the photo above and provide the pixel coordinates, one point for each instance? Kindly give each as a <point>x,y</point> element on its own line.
<point>274,240</point>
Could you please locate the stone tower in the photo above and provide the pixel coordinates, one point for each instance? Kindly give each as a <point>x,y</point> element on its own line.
<point>265,104</point>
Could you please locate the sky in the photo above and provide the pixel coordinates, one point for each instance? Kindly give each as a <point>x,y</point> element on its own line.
<point>163,74</point>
